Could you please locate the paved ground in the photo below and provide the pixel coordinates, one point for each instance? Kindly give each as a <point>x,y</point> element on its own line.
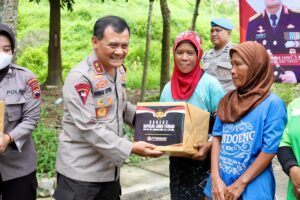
<point>149,180</point>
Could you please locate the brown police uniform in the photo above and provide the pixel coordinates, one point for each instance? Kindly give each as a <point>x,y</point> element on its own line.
<point>91,147</point>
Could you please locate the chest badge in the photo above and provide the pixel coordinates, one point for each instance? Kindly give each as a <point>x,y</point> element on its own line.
<point>109,101</point>
<point>261,29</point>
<point>100,102</point>
<point>101,112</point>
<point>102,84</point>
<point>290,26</point>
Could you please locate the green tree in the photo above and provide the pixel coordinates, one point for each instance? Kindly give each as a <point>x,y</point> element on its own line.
<point>146,60</point>
<point>195,15</point>
<point>54,49</point>
<point>165,54</point>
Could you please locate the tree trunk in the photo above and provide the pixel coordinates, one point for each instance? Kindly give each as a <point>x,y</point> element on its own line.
<point>54,51</point>
<point>165,54</point>
<point>146,60</point>
<point>9,13</point>
<point>195,15</point>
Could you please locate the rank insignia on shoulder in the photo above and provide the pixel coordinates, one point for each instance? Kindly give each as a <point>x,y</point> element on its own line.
<point>98,67</point>
<point>83,91</point>
<point>101,112</point>
<point>290,26</point>
<point>35,88</point>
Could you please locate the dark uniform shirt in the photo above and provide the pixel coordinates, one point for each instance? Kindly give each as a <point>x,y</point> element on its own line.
<point>285,38</point>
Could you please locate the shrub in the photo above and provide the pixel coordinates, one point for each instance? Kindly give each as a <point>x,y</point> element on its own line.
<point>46,141</point>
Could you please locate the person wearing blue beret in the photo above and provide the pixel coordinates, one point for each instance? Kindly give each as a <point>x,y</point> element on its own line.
<point>216,61</point>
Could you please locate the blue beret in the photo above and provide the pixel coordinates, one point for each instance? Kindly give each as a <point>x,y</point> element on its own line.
<point>223,23</point>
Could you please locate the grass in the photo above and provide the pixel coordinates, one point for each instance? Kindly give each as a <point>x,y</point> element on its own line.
<point>76,32</point>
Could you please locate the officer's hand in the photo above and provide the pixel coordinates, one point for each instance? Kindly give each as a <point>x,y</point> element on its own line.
<point>203,150</point>
<point>4,141</point>
<point>288,77</point>
<point>145,149</point>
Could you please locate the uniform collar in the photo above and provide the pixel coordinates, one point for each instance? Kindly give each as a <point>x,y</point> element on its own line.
<point>95,64</point>
<point>283,7</point>
<point>226,48</point>
<point>11,71</point>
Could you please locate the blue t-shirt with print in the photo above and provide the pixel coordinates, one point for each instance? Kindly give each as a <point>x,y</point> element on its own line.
<point>259,131</point>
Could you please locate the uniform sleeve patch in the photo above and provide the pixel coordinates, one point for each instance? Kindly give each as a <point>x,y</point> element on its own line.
<point>83,91</point>
<point>35,87</point>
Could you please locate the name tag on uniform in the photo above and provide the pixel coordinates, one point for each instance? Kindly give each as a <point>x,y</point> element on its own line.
<point>260,36</point>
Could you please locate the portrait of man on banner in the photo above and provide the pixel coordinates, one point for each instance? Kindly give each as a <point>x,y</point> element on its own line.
<point>276,25</point>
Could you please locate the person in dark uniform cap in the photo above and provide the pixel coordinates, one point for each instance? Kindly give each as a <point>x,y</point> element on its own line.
<point>21,93</point>
<point>278,29</point>
<point>216,61</point>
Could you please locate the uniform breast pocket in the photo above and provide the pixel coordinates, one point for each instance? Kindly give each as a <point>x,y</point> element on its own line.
<point>224,71</point>
<point>105,108</point>
<point>14,108</point>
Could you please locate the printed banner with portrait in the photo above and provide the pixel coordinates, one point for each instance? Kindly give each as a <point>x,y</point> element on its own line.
<point>276,25</point>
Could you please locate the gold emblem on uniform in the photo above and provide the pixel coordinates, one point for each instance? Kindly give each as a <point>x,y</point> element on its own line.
<point>123,78</point>
<point>290,26</point>
<point>98,76</point>
<point>109,101</point>
<point>274,42</point>
<point>101,84</point>
<point>101,112</point>
<point>100,102</point>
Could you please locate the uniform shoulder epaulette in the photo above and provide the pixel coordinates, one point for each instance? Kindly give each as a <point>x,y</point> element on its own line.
<point>18,67</point>
<point>254,16</point>
<point>123,67</point>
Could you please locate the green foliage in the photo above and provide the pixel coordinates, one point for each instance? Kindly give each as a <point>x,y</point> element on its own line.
<point>35,59</point>
<point>46,141</point>
<point>287,92</point>
<point>77,28</point>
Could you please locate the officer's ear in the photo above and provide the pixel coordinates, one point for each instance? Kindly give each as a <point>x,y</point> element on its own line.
<point>95,42</point>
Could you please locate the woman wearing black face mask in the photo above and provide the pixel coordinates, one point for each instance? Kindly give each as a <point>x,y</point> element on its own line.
<point>20,91</point>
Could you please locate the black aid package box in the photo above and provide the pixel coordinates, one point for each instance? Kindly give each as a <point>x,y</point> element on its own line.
<point>172,126</point>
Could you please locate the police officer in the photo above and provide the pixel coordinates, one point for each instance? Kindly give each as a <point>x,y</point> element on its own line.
<point>91,147</point>
<point>216,61</point>
<point>278,29</point>
<point>21,93</point>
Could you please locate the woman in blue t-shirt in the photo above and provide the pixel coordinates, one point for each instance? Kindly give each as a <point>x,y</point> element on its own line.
<point>247,132</point>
